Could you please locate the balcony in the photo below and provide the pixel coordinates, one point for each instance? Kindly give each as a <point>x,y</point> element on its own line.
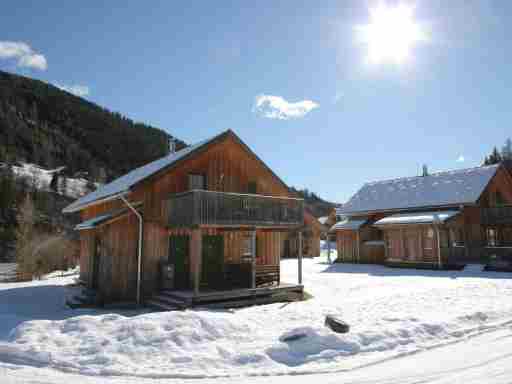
<point>497,215</point>
<point>225,209</point>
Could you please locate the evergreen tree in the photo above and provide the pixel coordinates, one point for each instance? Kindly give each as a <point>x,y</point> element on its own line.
<point>506,151</point>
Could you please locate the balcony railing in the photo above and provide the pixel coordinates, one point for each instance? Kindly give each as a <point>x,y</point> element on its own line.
<point>200,207</point>
<point>497,215</point>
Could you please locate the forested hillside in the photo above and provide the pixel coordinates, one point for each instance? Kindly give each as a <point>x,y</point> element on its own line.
<point>53,147</point>
<point>42,124</point>
<point>315,204</point>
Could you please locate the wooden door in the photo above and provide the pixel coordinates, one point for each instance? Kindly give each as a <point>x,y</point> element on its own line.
<point>212,266</point>
<point>286,248</point>
<point>179,257</point>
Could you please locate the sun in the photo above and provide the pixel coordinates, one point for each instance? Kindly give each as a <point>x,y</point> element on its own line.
<point>390,34</point>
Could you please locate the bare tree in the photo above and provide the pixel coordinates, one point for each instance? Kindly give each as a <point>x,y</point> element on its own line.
<point>25,233</point>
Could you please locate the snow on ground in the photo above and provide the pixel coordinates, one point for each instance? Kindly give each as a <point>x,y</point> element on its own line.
<point>75,187</point>
<point>392,312</point>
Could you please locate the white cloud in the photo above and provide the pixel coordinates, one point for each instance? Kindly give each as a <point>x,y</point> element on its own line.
<point>26,56</point>
<point>77,89</point>
<point>35,61</point>
<point>275,107</point>
<point>460,159</point>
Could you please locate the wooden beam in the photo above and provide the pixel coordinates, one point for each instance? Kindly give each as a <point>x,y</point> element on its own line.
<point>196,253</point>
<point>300,258</point>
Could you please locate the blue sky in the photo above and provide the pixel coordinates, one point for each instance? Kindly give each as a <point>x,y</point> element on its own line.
<point>197,68</point>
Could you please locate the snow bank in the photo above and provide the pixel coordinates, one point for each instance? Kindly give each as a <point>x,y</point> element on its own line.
<point>391,312</point>
<point>196,344</point>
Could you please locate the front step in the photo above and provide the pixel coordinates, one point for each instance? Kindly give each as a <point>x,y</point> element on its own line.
<point>165,300</point>
<point>161,306</point>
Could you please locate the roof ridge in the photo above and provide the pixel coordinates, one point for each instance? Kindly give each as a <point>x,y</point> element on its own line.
<point>439,173</point>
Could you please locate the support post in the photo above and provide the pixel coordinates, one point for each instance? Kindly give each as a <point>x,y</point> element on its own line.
<point>402,245</point>
<point>253,261</point>
<point>328,248</point>
<point>196,254</point>
<point>300,258</point>
<point>438,240</point>
<point>358,247</point>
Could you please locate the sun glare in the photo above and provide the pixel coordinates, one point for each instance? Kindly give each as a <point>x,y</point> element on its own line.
<point>390,34</point>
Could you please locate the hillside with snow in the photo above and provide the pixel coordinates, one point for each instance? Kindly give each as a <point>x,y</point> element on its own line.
<point>41,179</point>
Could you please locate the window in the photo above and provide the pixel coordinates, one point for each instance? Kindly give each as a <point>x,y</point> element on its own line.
<point>196,181</point>
<point>443,238</point>
<point>252,187</point>
<point>492,237</point>
<point>247,249</point>
<point>498,199</point>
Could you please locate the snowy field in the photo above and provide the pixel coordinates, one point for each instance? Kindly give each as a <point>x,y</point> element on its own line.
<point>392,312</point>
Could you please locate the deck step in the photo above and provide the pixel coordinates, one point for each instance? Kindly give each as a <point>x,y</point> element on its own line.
<point>170,300</point>
<point>163,306</point>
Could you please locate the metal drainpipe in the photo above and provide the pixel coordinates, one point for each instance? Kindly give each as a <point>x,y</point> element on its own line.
<point>139,250</point>
<point>436,223</point>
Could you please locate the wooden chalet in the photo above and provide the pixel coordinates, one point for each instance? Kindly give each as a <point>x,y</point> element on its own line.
<point>441,220</point>
<point>202,224</point>
<point>310,238</point>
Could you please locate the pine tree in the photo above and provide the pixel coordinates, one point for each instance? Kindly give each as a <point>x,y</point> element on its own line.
<point>506,150</point>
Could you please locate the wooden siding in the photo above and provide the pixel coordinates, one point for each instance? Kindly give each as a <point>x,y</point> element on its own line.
<point>346,243</point>
<point>86,253</point>
<point>228,167</point>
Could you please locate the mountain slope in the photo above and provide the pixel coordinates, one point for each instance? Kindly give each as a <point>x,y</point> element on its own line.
<point>42,124</point>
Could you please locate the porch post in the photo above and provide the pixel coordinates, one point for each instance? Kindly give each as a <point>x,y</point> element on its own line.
<point>196,253</point>
<point>253,262</point>
<point>328,248</point>
<point>300,258</point>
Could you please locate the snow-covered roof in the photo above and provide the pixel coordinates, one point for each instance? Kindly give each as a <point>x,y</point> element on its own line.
<point>124,183</point>
<point>348,224</point>
<point>450,188</point>
<point>417,218</point>
<point>91,223</point>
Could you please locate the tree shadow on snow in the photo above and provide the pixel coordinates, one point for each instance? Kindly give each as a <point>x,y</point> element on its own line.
<point>383,271</point>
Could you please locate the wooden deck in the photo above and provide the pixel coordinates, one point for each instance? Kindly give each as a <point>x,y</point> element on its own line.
<point>226,298</point>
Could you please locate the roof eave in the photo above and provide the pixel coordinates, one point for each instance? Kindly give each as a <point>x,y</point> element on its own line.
<point>71,209</point>
<point>396,210</point>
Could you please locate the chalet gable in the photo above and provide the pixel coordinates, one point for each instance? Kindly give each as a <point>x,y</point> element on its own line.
<point>153,171</point>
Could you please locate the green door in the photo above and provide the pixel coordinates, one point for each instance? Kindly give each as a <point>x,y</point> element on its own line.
<point>179,257</point>
<point>212,267</point>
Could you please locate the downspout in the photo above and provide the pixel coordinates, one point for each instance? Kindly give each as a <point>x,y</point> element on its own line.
<point>139,250</point>
<point>436,223</point>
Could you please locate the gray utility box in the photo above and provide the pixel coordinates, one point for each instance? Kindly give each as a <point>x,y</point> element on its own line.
<point>167,275</point>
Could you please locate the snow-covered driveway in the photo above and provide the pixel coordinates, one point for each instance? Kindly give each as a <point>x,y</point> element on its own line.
<point>392,312</point>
